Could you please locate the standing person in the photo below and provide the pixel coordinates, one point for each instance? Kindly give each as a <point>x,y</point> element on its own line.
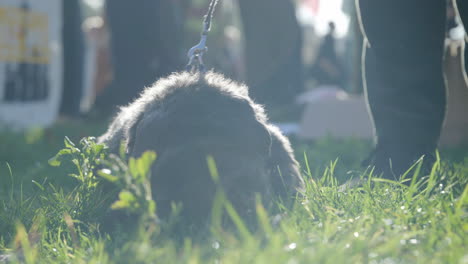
<point>404,79</point>
<point>327,69</point>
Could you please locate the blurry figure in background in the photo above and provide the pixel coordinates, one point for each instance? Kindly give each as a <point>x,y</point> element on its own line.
<point>145,39</point>
<point>455,22</point>
<point>403,53</point>
<point>455,131</point>
<point>327,69</point>
<point>73,62</point>
<point>273,43</point>
<point>98,69</point>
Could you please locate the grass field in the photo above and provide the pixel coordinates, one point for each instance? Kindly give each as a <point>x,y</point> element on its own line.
<point>48,216</point>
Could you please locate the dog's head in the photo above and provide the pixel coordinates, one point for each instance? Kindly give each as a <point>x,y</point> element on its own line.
<point>193,117</point>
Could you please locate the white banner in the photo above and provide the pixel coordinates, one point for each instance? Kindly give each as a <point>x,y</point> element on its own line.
<point>30,62</point>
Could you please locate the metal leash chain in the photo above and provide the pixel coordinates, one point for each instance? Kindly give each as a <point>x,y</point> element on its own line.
<point>195,54</point>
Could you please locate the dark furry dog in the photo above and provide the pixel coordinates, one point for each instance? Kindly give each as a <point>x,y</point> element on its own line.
<point>187,116</point>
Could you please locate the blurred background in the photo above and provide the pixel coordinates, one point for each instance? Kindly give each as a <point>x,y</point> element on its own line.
<point>79,60</point>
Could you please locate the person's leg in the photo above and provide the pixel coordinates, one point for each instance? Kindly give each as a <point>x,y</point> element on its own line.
<point>404,78</point>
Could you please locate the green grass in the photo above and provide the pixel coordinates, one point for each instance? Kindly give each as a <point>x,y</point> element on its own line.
<point>48,216</point>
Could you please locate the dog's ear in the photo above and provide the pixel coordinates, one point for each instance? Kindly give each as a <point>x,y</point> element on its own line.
<point>131,133</point>
<point>286,177</point>
<point>150,132</point>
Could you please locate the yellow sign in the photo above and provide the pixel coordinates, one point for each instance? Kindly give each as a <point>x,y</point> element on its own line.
<point>24,36</point>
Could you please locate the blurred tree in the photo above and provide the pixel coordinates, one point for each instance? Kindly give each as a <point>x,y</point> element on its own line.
<point>273,42</point>
<point>73,51</point>
<point>145,40</point>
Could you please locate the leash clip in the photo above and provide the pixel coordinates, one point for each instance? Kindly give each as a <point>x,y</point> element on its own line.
<point>195,54</point>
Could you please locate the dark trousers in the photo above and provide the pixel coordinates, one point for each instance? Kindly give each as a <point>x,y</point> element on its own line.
<point>403,75</point>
